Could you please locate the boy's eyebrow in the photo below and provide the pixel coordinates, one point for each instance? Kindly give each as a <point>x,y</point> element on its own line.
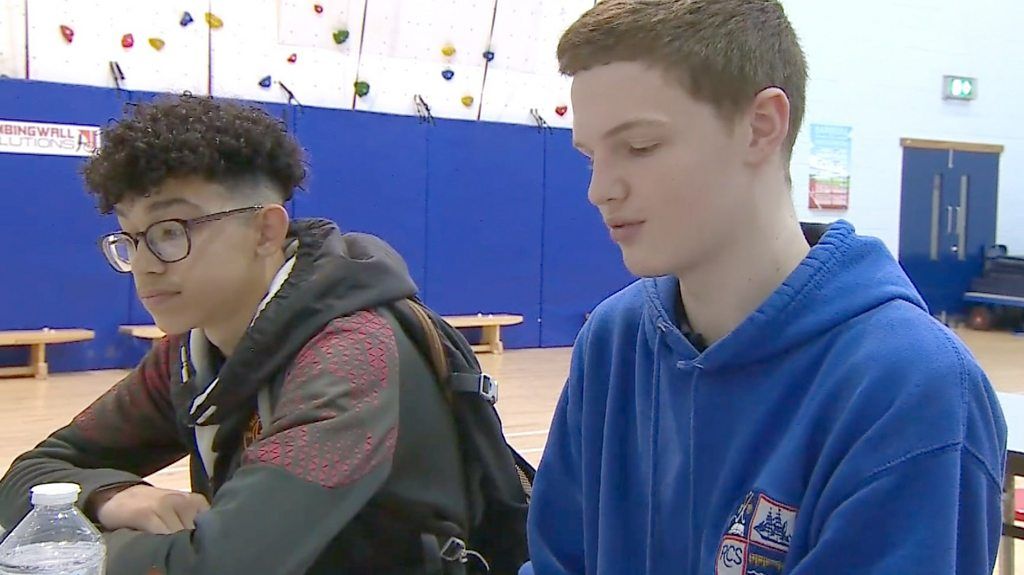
<point>169,203</point>
<point>161,205</point>
<point>625,127</point>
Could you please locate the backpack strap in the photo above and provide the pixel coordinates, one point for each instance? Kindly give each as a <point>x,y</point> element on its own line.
<point>455,364</point>
<point>499,480</point>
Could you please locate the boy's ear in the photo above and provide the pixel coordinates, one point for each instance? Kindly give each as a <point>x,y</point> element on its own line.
<point>769,123</point>
<point>273,228</point>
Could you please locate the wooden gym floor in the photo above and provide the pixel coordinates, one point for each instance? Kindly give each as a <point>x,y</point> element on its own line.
<point>530,383</point>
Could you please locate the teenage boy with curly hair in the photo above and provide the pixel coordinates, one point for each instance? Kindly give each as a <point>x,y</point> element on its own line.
<point>764,400</point>
<point>279,377</point>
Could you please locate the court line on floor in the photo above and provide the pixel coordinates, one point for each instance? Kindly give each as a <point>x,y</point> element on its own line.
<point>527,433</point>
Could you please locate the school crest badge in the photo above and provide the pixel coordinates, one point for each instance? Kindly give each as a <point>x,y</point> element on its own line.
<point>758,537</point>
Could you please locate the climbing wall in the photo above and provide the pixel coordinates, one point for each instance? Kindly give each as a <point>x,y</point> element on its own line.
<point>523,76</point>
<point>282,50</point>
<point>466,59</point>
<point>420,55</point>
<point>154,46</point>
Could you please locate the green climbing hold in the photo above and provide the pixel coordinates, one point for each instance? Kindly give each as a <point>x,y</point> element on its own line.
<point>340,36</point>
<point>362,88</point>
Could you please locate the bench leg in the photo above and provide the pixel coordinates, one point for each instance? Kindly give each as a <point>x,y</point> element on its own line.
<point>37,361</point>
<point>491,337</point>
<point>1006,547</point>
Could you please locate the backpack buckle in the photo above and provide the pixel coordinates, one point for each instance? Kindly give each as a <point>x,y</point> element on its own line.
<point>488,388</point>
<point>454,550</point>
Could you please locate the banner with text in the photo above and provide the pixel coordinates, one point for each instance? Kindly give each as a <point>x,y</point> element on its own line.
<point>48,139</point>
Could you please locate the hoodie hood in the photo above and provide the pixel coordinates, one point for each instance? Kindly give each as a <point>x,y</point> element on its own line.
<point>331,275</point>
<point>828,288</point>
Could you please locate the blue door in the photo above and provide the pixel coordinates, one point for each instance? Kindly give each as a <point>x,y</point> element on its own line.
<point>947,219</point>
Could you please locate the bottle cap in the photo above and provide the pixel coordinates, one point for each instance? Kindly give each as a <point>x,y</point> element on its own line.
<point>55,493</point>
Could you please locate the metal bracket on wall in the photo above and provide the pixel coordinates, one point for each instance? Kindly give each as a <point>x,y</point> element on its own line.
<point>291,95</point>
<point>423,110</point>
<point>542,124</point>
<point>117,74</point>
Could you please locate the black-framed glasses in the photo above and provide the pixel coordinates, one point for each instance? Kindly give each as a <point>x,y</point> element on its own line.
<point>168,240</point>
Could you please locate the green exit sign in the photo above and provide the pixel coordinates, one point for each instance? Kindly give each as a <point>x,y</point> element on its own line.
<point>959,88</point>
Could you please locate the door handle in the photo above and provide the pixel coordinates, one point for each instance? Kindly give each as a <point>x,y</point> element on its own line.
<point>949,219</point>
<point>933,246</point>
<point>961,220</point>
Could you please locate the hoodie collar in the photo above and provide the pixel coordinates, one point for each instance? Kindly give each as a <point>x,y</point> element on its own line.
<point>842,276</point>
<point>330,275</point>
<point>200,348</point>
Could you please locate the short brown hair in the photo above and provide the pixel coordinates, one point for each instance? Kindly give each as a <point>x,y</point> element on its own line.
<point>723,51</point>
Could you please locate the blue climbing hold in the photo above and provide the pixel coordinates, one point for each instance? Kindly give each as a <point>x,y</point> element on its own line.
<point>186,19</point>
<point>448,74</point>
<point>265,82</point>
<point>488,55</point>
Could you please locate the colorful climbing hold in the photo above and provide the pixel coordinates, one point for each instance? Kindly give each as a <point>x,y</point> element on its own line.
<point>318,8</point>
<point>362,88</point>
<point>127,41</point>
<point>467,101</point>
<point>293,58</point>
<point>488,55</point>
<point>67,32</point>
<point>214,21</point>
<point>157,43</point>
<point>186,19</point>
<point>340,36</point>
<point>448,50</point>
<point>561,110</point>
<point>448,74</point>
<point>265,82</point>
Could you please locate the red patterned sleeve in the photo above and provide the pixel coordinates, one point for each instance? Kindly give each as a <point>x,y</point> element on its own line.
<point>326,452</point>
<point>126,434</point>
<point>336,418</point>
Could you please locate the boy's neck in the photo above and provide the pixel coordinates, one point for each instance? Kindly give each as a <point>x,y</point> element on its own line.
<point>227,332</point>
<point>720,294</point>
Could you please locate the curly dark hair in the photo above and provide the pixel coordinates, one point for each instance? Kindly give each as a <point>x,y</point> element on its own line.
<point>183,136</point>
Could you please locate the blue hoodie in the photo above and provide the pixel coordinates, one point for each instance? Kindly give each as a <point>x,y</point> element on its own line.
<point>838,429</point>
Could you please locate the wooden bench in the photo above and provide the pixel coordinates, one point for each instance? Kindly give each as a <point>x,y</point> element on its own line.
<point>489,324</point>
<point>150,332</point>
<point>37,339</point>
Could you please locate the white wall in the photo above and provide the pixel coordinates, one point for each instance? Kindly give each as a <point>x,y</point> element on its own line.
<point>876,65</point>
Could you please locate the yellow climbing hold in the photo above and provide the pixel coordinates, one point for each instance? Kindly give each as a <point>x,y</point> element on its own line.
<point>214,21</point>
<point>448,50</point>
<point>467,101</point>
<point>157,43</point>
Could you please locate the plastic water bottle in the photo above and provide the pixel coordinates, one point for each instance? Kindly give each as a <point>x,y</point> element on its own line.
<point>55,538</point>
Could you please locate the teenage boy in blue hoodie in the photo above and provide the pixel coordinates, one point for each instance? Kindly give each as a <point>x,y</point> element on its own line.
<point>765,400</point>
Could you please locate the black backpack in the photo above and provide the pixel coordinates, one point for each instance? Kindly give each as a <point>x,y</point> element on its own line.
<point>498,480</point>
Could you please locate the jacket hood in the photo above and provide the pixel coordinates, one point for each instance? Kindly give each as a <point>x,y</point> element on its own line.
<point>827,289</point>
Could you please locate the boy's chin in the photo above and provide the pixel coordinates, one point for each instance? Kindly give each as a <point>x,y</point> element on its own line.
<point>172,326</point>
<point>644,267</point>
